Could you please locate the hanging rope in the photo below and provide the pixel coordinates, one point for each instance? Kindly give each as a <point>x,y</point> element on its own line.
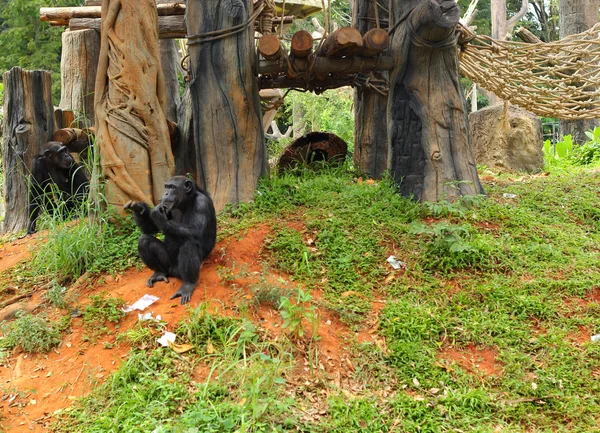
<point>554,79</point>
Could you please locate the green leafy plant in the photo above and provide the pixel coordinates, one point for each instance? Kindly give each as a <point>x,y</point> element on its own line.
<point>32,333</point>
<point>100,310</point>
<point>294,312</point>
<point>590,151</point>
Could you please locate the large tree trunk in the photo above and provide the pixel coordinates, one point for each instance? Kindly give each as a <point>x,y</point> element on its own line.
<point>78,66</point>
<point>228,133</point>
<point>170,59</point>
<point>28,125</point>
<point>431,155</point>
<point>130,104</point>
<point>371,145</point>
<point>576,16</point>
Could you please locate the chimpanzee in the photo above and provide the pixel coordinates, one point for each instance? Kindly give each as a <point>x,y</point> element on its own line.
<point>186,216</point>
<point>55,166</point>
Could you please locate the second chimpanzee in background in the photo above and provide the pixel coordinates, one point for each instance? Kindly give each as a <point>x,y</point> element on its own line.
<point>186,216</point>
<point>58,183</point>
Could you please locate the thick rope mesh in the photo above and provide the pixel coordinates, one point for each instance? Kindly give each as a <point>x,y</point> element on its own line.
<point>555,79</point>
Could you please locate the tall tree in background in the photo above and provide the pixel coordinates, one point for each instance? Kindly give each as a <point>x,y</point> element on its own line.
<point>576,16</point>
<point>27,42</point>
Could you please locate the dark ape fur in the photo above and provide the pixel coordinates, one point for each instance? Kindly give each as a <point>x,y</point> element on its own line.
<point>55,166</point>
<point>186,216</point>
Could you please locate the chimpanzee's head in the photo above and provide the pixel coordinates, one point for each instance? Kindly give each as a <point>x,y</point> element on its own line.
<point>58,155</point>
<point>178,190</point>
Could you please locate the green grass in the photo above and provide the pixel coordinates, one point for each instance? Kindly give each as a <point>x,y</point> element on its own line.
<point>32,334</point>
<point>515,276</point>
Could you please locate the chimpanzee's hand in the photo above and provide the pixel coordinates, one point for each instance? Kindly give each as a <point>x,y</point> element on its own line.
<point>135,206</point>
<point>160,216</point>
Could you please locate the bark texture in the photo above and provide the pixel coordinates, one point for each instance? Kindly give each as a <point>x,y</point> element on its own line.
<point>576,16</point>
<point>371,144</point>
<point>28,125</point>
<point>228,134</point>
<point>130,103</point>
<point>78,66</point>
<point>431,154</point>
<point>170,61</point>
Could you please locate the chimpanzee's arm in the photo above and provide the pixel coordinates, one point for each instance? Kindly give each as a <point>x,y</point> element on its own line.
<point>193,224</point>
<point>141,216</point>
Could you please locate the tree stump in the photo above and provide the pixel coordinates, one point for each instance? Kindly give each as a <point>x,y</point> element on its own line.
<point>28,125</point>
<point>130,103</point>
<point>228,134</point>
<point>431,155</point>
<point>371,144</point>
<point>78,66</point>
<point>313,147</point>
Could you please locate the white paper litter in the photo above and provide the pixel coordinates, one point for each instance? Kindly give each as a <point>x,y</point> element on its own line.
<point>148,316</point>
<point>141,304</point>
<point>595,338</point>
<point>507,195</point>
<point>396,264</point>
<point>168,337</point>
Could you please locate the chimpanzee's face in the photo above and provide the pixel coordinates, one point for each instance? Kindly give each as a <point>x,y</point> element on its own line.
<point>177,190</point>
<point>59,155</point>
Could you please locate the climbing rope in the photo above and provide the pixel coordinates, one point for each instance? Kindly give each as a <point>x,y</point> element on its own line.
<point>551,79</point>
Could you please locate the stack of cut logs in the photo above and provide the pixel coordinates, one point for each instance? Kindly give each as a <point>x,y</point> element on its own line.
<point>171,18</point>
<point>335,62</point>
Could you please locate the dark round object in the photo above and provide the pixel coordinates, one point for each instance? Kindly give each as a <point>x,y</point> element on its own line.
<point>313,147</point>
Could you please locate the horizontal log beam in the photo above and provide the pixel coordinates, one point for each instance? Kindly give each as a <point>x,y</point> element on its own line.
<point>317,86</point>
<point>66,13</point>
<point>169,27</point>
<point>351,65</point>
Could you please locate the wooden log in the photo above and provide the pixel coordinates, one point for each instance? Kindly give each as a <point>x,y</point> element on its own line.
<point>526,36</point>
<point>169,27</point>
<point>375,42</point>
<point>64,118</point>
<point>28,125</point>
<point>67,135</point>
<point>67,13</point>
<point>228,133</point>
<point>269,47</point>
<point>78,66</point>
<point>431,154</point>
<point>343,42</point>
<point>371,144</point>
<point>130,103</point>
<point>302,44</point>
<point>350,65</point>
<point>315,85</point>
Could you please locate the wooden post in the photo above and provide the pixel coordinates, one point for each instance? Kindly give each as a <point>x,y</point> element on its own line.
<point>170,60</point>
<point>228,133</point>
<point>78,66</point>
<point>431,154</point>
<point>130,103</point>
<point>28,125</point>
<point>371,145</point>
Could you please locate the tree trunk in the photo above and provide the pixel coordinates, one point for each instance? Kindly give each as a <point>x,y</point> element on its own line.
<point>78,66</point>
<point>28,125</point>
<point>170,60</point>
<point>576,16</point>
<point>130,103</point>
<point>184,149</point>
<point>431,154</point>
<point>228,134</point>
<point>371,144</point>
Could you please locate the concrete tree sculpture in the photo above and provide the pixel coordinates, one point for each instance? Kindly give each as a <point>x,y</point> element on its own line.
<point>431,154</point>
<point>130,104</point>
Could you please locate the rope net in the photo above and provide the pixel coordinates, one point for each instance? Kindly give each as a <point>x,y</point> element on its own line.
<point>551,79</point>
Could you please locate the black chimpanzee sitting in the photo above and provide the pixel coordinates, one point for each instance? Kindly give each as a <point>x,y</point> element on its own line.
<point>55,177</point>
<point>186,216</point>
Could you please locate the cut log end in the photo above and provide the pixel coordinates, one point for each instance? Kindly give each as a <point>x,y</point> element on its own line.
<point>343,42</point>
<point>269,47</point>
<point>302,43</point>
<point>375,41</point>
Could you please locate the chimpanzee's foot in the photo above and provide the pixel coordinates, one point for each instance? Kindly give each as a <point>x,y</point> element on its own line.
<point>185,292</point>
<point>157,276</point>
